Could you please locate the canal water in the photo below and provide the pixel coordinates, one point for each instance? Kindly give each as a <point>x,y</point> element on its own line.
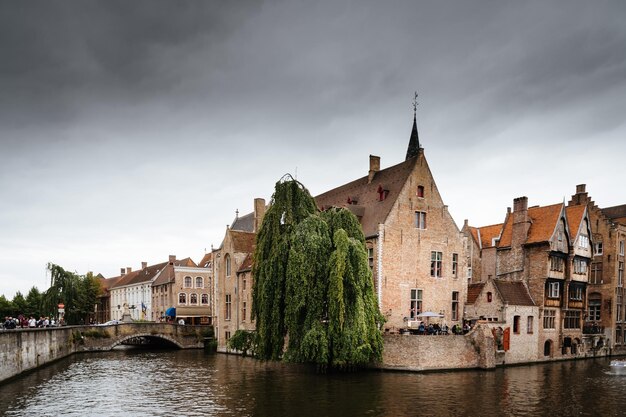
<point>193,383</point>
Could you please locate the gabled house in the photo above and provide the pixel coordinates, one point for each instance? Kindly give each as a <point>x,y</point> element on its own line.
<point>509,310</point>
<point>549,250</point>
<point>186,287</point>
<point>416,251</point>
<point>481,250</point>
<point>233,265</point>
<point>605,321</point>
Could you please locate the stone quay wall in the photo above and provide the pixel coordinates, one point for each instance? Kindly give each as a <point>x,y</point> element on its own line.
<point>475,350</point>
<point>22,350</point>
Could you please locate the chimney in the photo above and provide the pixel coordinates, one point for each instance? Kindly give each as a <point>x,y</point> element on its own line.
<point>580,188</point>
<point>122,271</point>
<point>259,213</point>
<point>144,265</point>
<point>129,269</point>
<point>172,259</point>
<point>521,221</point>
<point>374,167</point>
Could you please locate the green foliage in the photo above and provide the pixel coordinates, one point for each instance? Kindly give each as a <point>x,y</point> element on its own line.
<point>6,307</point>
<point>19,304</point>
<point>96,334</point>
<point>313,286</point>
<point>78,292</point>
<point>33,303</point>
<point>243,341</point>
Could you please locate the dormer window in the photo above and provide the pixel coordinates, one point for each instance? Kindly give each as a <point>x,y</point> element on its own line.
<point>420,191</point>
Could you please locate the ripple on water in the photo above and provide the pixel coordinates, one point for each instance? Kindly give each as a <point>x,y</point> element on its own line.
<point>190,383</point>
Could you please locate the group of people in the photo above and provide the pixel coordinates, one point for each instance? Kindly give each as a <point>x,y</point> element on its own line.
<point>435,329</point>
<point>23,322</point>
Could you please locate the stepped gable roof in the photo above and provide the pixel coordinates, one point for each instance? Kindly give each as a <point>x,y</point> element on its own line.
<point>367,197</point>
<point>575,216</point>
<point>244,223</point>
<point>543,221</point>
<point>616,213</point>
<point>243,242</point>
<point>204,262</point>
<point>473,291</point>
<point>513,293</point>
<point>246,265</point>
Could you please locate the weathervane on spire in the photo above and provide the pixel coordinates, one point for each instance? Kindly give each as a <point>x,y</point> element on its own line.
<point>415,103</point>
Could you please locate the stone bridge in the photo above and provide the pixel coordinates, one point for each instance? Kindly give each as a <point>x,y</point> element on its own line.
<point>25,349</point>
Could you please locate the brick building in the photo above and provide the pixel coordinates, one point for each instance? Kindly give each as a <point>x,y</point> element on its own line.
<point>416,251</point>
<point>185,286</point>
<point>233,264</point>
<point>549,249</point>
<point>605,318</point>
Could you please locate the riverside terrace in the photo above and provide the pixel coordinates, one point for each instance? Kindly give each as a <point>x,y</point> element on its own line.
<point>25,349</point>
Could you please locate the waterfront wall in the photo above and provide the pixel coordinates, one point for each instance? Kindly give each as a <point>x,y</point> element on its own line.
<point>22,350</point>
<point>431,353</point>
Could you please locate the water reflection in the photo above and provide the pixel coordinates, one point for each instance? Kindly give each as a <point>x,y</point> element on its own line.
<point>191,383</point>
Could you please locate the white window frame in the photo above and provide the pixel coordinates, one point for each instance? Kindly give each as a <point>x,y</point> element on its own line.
<point>598,249</point>
<point>187,282</point>
<point>416,302</point>
<point>553,290</point>
<point>436,264</point>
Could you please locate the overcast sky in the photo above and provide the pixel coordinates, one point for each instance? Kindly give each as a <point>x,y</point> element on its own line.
<point>134,130</point>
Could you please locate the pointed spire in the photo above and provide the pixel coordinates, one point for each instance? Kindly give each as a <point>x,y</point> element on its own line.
<point>414,141</point>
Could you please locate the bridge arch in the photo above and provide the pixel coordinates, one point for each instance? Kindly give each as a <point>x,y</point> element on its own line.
<point>167,338</point>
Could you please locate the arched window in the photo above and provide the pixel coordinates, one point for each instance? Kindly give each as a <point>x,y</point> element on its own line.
<point>182,298</point>
<point>193,299</point>
<point>199,282</point>
<point>205,299</point>
<point>187,283</point>
<point>227,261</point>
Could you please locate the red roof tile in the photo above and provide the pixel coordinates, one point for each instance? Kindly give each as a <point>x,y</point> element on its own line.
<point>488,233</point>
<point>473,291</point>
<point>574,218</point>
<point>543,222</point>
<point>514,293</point>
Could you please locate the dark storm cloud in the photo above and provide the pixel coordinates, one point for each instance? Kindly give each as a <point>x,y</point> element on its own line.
<point>109,110</point>
<point>60,56</point>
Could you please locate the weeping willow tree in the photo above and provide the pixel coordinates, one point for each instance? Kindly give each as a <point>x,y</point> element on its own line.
<point>313,297</point>
<point>77,292</point>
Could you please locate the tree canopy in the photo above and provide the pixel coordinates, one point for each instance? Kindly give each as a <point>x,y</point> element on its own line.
<point>78,292</point>
<point>313,287</point>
